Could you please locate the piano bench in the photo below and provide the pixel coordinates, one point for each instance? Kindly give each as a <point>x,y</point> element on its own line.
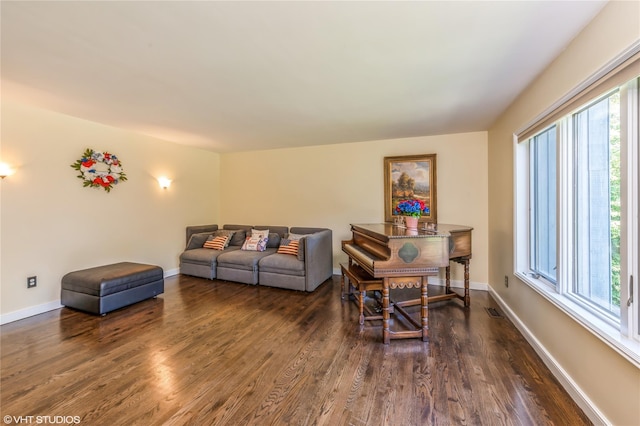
<point>353,276</point>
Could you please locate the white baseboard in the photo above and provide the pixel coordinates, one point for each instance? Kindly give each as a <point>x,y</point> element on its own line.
<point>576,393</point>
<point>46,307</point>
<point>459,284</point>
<point>29,312</point>
<point>171,272</point>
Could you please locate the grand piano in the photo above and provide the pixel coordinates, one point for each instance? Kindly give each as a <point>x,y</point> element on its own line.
<point>404,258</point>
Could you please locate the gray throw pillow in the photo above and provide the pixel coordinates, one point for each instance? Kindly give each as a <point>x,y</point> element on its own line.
<point>274,240</point>
<point>197,240</point>
<point>238,237</point>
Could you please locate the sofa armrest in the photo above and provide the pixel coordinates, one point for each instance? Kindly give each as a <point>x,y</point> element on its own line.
<point>318,258</point>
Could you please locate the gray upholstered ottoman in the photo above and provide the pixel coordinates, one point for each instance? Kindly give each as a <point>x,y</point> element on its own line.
<point>105,288</point>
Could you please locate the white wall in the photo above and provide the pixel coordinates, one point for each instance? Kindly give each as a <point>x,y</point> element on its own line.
<point>600,374</point>
<point>333,186</point>
<point>51,224</point>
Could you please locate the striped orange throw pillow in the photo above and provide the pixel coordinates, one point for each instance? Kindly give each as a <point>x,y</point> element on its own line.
<point>288,247</point>
<point>217,243</point>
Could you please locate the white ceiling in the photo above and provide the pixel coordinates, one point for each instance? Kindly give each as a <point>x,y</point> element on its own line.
<point>236,76</point>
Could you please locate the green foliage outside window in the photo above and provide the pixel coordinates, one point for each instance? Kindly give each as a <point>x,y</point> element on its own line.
<point>614,194</point>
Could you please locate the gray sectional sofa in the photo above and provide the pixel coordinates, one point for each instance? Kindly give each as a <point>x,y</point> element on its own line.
<point>305,272</point>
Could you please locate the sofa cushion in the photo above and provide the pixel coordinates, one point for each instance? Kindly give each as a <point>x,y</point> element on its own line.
<point>242,259</point>
<point>203,256</point>
<point>282,264</point>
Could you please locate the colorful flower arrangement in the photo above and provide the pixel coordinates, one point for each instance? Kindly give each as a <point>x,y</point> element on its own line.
<point>412,207</point>
<point>99,169</point>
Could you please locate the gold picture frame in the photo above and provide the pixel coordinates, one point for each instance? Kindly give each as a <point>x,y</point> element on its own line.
<point>408,177</point>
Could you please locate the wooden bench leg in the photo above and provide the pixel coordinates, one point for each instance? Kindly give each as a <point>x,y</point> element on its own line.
<point>355,283</point>
<point>363,294</point>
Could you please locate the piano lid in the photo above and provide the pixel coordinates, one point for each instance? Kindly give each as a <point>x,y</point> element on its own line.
<point>387,231</point>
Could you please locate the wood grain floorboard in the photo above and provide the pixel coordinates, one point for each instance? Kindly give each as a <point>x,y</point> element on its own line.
<point>219,353</point>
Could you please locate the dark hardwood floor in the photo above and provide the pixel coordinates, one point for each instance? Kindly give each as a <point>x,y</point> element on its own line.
<point>220,353</point>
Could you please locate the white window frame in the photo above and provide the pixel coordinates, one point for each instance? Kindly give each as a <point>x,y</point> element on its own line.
<point>541,275</point>
<point>623,335</point>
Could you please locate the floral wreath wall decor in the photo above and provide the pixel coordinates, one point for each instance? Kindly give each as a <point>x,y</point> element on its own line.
<point>99,169</point>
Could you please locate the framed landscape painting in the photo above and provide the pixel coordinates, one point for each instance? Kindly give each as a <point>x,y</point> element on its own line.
<point>410,177</point>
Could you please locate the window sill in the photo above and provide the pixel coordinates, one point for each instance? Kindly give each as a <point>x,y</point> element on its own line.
<point>625,346</point>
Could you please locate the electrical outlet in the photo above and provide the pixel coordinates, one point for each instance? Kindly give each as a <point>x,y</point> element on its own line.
<point>32,281</point>
<point>506,281</point>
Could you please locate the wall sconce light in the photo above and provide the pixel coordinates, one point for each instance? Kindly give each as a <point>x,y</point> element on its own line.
<point>5,170</point>
<point>164,182</point>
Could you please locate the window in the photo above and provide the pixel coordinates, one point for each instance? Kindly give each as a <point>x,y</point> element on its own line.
<point>543,202</point>
<point>597,204</point>
<point>577,216</point>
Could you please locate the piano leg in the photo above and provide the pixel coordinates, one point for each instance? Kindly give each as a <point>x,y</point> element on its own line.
<point>467,298</point>
<point>424,311</point>
<point>386,335</point>
<point>447,282</point>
